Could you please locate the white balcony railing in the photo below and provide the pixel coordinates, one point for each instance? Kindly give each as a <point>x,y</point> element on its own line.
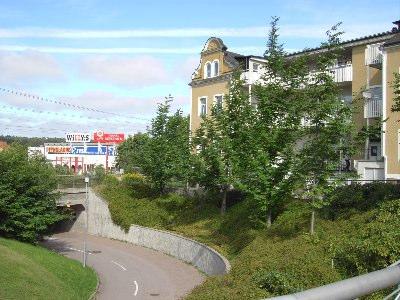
<point>373,54</point>
<point>250,77</point>
<point>342,73</point>
<point>373,102</point>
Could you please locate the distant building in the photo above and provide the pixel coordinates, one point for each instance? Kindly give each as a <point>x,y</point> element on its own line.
<point>83,152</point>
<point>3,145</point>
<point>365,71</point>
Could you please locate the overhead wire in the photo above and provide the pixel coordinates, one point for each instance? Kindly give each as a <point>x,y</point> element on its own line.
<point>68,105</point>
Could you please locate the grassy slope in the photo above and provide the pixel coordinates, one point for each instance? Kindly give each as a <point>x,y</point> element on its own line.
<point>32,272</point>
<point>286,247</point>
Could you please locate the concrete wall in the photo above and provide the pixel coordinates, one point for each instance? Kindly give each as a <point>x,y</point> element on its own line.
<point>201,256</point>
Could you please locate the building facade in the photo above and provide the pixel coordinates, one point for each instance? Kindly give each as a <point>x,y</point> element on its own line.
<point>364,73</point>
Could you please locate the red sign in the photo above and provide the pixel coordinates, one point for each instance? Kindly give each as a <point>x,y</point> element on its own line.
<point>108,138</point>
<point>58,149</point>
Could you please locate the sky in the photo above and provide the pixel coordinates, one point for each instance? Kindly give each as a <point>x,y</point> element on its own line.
<point>104,65</point>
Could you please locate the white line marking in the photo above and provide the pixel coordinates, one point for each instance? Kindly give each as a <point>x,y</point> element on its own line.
<point>137,287</point>
<point>74,249</point>
<point>119,265</point>
<point>51,238</point>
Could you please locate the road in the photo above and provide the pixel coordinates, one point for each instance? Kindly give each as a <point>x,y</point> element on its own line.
<point>127,271</point>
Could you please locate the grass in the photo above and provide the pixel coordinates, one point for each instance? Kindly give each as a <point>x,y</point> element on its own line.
<point>33,272</point>
<point>286,250</point>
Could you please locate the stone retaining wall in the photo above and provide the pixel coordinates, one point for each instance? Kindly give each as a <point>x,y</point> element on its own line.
<point>199,255</point>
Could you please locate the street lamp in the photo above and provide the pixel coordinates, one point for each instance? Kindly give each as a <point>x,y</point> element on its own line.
<point>87,220</point>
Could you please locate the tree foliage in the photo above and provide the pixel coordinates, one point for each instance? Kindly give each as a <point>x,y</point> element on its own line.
<point>166,156</point>
<point>291,138</point>
<point>27,198</point>
<point>131,152</point>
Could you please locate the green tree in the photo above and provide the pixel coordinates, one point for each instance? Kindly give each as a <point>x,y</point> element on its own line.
<point>221,141</point>
<point>27,199</point>
<point>328,131</point>
<point>270,171</point>
<point>167,154</point>
<point>131,152</point>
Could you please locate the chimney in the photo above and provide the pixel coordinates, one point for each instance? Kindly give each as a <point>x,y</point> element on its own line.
<point>397,23</point>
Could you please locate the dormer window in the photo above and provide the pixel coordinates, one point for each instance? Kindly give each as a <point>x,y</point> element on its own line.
<point>207,72</point>
<point>216,68</point>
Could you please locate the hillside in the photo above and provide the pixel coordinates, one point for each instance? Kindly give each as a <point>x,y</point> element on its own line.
<point>283,258</point>
<point>32,272</point>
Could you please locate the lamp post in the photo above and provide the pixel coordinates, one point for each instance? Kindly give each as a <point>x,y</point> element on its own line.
<point>87,220</point>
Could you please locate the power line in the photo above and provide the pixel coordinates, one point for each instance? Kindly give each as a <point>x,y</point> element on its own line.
<point>14,108</point>
<point>66,104</point>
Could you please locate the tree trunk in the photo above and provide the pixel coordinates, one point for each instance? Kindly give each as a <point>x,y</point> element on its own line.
<point>269,218</point>
<point>223,204</point>
<point>312,222</point>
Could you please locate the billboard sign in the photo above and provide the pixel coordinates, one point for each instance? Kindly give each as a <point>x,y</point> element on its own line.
<point>93,150</point>
<point>77,137</point>
<point>58,149</point>
<point>108,138</point>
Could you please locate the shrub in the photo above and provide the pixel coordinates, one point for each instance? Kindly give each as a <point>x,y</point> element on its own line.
<point>375,246</point>
<point>276,282</point>
<point>27,198</point>
<point>137,184</point>
<point>345,199</point>
<point>99,173</point>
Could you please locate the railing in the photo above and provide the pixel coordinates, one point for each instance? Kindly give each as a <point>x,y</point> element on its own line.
<point>342,73</point>
<point>250,77</point>
<point>373,54</point>
<point>353,287</point>
<point>373,108</point>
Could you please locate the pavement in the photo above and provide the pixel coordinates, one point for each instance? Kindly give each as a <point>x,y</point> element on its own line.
<point>128,271</point>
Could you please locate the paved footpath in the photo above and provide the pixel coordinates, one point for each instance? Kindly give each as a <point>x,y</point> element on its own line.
<point>127,271</point>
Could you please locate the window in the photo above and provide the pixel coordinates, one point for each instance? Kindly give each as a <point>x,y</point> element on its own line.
<point>255,67</point>
<point>218,100</point>
<point>216,67</point>
<point>207,73</point>
<point>202,106</point>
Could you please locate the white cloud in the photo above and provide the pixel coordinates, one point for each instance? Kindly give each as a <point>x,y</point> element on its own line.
<point>292,30</point>
<point>125,71</point>
<point>28,67</point>
<point>130,33</point>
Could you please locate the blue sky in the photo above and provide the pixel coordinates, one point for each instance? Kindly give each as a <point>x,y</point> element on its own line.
<point>125,56</point>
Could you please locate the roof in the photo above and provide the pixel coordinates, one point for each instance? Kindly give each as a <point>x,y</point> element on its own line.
<point>352,41</point>
<point>393,41</point>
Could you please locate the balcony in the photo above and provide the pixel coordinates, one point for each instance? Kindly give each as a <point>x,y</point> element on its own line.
<point>373,55</point>
<point>250,77</point>
<point>342,73</point>
<point>373,102</point>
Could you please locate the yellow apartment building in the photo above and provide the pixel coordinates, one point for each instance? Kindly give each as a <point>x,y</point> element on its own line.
<point>364,74</point>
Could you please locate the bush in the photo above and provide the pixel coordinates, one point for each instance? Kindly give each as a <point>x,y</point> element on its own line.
<point>375,246</point>
<point>27,198</point>
<point>278,283</point>
<point>99,173</point>
<point>356,197</point>
<point>137,184</point>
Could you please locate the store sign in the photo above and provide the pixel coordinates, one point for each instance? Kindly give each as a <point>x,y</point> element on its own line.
<point>77,137</point>
<point>108,138</point>
<point>58,149</point>
<point>93,150</point>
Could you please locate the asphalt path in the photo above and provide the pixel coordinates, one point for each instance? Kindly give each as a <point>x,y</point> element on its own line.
<point>127,271</point>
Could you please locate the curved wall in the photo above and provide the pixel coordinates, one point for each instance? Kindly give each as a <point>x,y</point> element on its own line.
<point>199,255</point>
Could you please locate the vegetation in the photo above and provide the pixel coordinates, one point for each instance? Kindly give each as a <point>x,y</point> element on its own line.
<point>27,199</point>
<point>30,141</point>
<point>32,272</point>
<point>163,154</point>
<point>283,258</point>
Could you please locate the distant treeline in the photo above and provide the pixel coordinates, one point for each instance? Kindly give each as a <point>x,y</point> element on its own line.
<point>30,141</point>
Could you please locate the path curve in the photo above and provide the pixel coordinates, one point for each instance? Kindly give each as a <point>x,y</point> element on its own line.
<point>128,271</point>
